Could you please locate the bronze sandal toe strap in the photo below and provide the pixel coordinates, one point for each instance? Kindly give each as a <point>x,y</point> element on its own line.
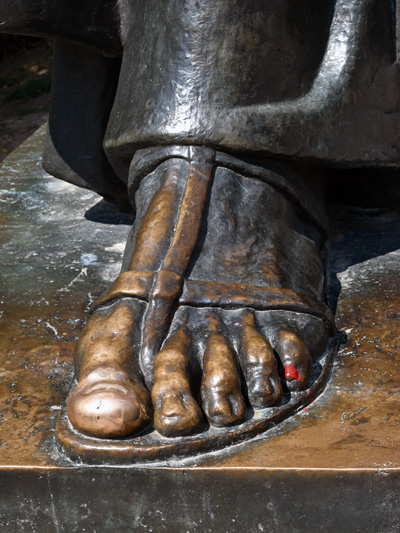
<point>168,286</point>
<point>144,285</point>
<point>261,298</point>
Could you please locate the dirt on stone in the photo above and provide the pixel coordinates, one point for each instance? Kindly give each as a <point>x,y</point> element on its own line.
<point>25,80</point>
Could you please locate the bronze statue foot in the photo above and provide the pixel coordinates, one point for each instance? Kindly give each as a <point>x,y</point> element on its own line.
<point>219,309</point>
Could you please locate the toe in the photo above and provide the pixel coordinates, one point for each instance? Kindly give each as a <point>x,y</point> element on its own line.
<point>107,404</point>
<point>109,338</point>
<point>259,366</point>
<point>295,357</point>
<point>176,412</point>
<point>223,402</point>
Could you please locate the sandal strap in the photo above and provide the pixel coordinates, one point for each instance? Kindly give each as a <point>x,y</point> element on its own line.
<point>260,298</point>
<point>280,175</point>
<point>165,285</point>
<point>143,284</point>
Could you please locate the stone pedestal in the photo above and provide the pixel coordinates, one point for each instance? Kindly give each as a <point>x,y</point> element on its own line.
<point>333,467</point>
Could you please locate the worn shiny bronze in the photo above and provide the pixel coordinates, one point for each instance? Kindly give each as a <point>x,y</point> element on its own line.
<point>108,402</point>
<point>199,336</point>
<point>176,412</point>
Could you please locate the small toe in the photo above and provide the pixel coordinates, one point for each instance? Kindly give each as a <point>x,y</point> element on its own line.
<point>107,404</point>
<point>176,412</point>
<point>295,357</point>
<point>221,394</point>
<point>259,366</point>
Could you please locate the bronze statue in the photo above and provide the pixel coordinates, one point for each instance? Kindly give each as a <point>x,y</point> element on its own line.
<point>218,123</point>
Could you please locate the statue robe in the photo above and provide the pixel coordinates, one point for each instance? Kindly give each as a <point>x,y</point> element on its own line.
<point>305,81</point>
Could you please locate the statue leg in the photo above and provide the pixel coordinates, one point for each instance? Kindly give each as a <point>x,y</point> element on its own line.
<point>220,304</point>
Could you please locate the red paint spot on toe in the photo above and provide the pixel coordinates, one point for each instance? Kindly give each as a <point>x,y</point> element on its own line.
<point>291,372</point>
